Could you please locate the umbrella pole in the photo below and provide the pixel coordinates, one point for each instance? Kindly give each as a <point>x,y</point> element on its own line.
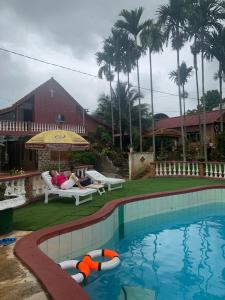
<point>59,161</point>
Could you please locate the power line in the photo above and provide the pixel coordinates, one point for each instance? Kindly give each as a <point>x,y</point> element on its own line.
<point>78,71</point>
<point>47,62</point>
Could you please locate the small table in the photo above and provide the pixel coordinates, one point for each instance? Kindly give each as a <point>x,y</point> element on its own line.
<point>97,186</point>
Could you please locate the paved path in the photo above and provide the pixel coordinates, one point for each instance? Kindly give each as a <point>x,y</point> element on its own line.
<point>16,282</point>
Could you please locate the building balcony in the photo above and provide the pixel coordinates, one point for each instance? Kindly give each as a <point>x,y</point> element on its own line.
<point>31,128</point>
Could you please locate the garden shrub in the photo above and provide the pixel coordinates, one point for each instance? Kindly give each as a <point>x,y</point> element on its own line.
<point>84,157</point>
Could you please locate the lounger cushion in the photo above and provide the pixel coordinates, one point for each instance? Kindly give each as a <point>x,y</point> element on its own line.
<point>94,175</point>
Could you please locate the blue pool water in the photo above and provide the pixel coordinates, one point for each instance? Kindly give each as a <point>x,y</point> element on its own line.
<point>174,256</point>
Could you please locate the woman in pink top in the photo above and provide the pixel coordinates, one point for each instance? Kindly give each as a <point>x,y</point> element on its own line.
<point>64,180</point>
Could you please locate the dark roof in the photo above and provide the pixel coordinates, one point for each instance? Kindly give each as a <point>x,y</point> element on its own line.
<point>190,120</point>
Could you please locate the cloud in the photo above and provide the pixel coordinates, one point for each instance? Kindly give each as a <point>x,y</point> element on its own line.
<point>70,33</point>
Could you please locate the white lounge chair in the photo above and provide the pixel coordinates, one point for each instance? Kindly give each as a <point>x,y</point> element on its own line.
<point>111,183</point>
<point>73,192</point>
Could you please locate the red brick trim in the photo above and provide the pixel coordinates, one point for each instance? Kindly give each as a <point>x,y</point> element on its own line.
<point>15,177</point>
<point>57,283</point>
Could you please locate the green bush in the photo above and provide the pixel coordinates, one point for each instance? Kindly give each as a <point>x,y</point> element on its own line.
<point>220,147</point>
<point>84,157</point>
<point>117,157</point>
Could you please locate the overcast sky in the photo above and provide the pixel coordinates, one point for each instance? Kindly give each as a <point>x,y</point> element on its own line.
<point>69,33</point>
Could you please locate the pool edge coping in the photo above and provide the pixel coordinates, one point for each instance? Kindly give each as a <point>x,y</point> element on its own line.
<point>55,282</point>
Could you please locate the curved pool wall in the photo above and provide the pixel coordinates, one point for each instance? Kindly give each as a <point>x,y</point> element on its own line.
<point>41,250</point>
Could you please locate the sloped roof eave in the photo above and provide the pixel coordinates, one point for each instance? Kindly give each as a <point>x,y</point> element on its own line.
<point>190,120</point>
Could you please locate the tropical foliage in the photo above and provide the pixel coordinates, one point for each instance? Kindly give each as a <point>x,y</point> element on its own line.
<point>199,22</point>
<point>126,95</point>
<point>212,100</point>
<point>185,74</point>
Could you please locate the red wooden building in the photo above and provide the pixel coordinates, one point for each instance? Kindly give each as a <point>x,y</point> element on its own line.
<point>47,107</point>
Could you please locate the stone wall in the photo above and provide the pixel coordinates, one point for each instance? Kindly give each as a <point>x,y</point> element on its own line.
<point>43,159</point>
<point>46,163</point>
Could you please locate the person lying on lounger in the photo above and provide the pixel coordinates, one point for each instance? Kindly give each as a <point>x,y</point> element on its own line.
<point>84,181</point>
<point>64,180</point>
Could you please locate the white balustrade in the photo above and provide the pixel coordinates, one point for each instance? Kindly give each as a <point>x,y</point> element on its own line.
<point>10,126</point>
<point>215,170</point>
<point>15,187</point>
<point>177,169</point>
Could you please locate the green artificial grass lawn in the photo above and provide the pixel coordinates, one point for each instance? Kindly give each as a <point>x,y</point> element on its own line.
<point>38,215</point>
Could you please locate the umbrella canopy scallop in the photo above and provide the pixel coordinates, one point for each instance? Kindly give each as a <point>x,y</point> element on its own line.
<point>57,140</point>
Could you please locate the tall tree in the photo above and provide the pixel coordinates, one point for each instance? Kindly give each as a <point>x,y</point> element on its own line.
<point>212,100</point>
<point>129,62</point>
<point>115,42</point>
<point>105,60</point>
<point>203,16</point>
<point>152,38</point>
<point>173,16</point>
<point>124,95</point>
<point>215,48</point>
<point>195,50</point>
<point>185,74</point>
<point>131,23</point>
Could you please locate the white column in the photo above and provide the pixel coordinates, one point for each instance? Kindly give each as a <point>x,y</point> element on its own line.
<point>188,169</point>
<point>179,169</point>
<point>164,169</point>
<point>184,168</point>
<point>170,169</point>
<point>220,170</point>
<point>160,169</point>
<point>197,169</point>
<point>206,170</point>
<point>211,170</point>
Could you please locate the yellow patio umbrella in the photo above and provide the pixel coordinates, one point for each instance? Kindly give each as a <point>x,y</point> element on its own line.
<point>57,140</point>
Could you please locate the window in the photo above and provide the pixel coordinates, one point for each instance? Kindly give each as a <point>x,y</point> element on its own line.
<point>193,136</point>
<point>60,118</point>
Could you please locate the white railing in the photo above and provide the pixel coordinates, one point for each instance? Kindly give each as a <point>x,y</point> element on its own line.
<point>215,169</point>
<point>38,186</point>
<point>15,187</point>
<point>11,126</point>
<point>168,168</point>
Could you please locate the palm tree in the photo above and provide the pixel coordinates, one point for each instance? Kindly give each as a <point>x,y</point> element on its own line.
<point>105,60</point>
<point>115,42</point>
<point>195,51</point>
<point>215,48</point>
<point>203,16</point>
<point>132,25</point>
<point>129,62</point>
<point>173,16</point>
<point>125,95</point>
<point>153,39</point>
<point>185,74</point>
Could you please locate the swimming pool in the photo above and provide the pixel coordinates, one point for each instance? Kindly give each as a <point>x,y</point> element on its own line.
<point>176,256</point>
<point>43,249</point>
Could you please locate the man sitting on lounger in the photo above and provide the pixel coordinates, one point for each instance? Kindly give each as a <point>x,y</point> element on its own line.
<point>64,180</point>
